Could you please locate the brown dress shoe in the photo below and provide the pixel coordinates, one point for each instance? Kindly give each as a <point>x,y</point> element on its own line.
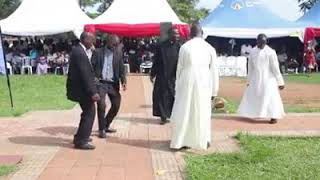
<point>273,121</point>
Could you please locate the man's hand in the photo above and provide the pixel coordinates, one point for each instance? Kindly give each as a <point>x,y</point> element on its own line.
<point>124,87</point>
<point>95,97</point>
<point>281,87</point>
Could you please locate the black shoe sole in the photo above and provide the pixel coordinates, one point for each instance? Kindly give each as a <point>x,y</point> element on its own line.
<point>84,148</point>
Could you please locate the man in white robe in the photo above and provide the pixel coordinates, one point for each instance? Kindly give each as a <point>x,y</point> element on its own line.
<point>197,81</point>
<point>262,97</point>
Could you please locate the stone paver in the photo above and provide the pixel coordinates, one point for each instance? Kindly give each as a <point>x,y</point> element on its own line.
<point>138,151</point>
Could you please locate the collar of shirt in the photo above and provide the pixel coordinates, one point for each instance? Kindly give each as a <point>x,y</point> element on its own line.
<point>88,51</point>
<point>109,50</point>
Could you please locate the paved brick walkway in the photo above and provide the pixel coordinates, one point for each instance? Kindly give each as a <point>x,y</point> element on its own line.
<point>138,151</point>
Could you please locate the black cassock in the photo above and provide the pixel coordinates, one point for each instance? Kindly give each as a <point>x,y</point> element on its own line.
<point>164,70</point>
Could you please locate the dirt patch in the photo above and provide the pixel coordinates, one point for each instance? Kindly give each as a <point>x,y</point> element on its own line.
<point>306,95</point>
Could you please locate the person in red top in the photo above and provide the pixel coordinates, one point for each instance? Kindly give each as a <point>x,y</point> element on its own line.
<point>310,58</point>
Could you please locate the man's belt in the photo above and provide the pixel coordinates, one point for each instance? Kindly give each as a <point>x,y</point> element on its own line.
<point>105,81</point>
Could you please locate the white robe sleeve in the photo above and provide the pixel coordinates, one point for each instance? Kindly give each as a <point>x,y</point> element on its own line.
<point>180,63</point>
<point>215,73</point>
<point>274,66</point>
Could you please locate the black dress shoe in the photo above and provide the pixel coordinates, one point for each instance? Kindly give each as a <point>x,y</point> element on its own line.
<point>89,140</point>
<point>109,130</point>
<point>102,134</point>
<point>84,146</point>
<point>163,122</point>
<point>273,121</point>
<point>185,148</point>
<point>182,148</point>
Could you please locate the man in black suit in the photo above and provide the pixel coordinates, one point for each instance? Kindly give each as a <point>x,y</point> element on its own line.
<point>81,88</point>
<point>109,70</point>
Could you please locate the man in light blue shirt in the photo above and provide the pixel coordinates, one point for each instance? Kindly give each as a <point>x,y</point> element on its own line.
<point>109,70</point>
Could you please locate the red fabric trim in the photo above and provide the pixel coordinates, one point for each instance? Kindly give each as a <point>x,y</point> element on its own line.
<point>311,33</point>
<point>135,30</point>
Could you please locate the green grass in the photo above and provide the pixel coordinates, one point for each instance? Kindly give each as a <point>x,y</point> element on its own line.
<point>5,170</point>
<point>232,107</point>
<point>262,158</point>
<point>300,109</point>
<point>314,78</point>
<point>33,93</point>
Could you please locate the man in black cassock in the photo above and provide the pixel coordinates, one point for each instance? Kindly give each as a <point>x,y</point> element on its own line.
<point>164,72</point>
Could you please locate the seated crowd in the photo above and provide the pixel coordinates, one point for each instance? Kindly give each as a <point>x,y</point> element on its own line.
<point>52,56</point>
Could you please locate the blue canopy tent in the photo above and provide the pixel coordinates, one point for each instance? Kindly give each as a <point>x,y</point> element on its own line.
<point>246,19</point>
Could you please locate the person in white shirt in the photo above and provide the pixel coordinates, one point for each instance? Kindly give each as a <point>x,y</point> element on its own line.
<point>262,97</point>
<point>197,81</point>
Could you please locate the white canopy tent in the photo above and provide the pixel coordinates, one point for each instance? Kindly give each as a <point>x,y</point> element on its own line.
<point>45,17</point>
<point>137,17</point>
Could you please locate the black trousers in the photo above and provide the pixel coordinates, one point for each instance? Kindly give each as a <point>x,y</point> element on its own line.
<point>115,98</point>
<point>86,122</point>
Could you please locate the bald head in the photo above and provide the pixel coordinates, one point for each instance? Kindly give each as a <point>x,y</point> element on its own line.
<point>262,40</point>
<point>112,41</point>
<point>196,30</point>
<point>87,39</point>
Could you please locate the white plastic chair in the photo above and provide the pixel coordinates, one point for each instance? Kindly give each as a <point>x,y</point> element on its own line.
<point>56,69</point>
<point>26,65</point>
<point>65,69</point>
<point>9,67</point>
<point>127,68</point>
<point>241,70</point>
<point>232,64</point>
<point>144,66</point>
<point>222,65</point>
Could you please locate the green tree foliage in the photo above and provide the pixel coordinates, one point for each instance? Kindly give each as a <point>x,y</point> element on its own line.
<point>185,9</point>
<point>104,5</point>
<point>87,3</point>
<point>305,5</point>
<point>7,7</point>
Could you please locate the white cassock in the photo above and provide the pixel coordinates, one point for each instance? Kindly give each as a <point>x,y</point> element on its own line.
<point>197,80</point>
<point>262,97</point>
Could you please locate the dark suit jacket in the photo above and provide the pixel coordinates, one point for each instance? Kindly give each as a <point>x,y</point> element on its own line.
<point>80,82</point>
<point>119,74</point>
